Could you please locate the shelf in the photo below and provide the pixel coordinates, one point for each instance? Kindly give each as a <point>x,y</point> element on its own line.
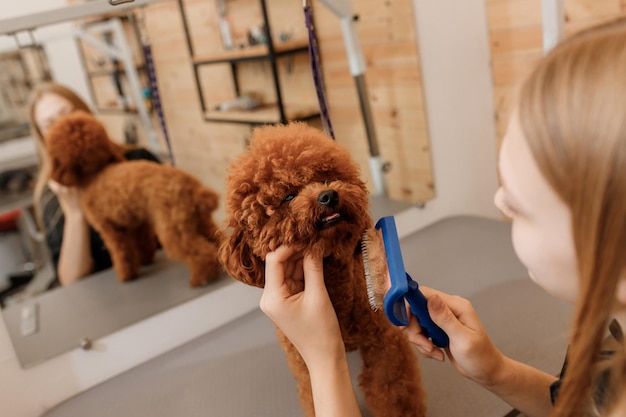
<point>253,53</point>
<point>131,109</point>
<point>108,70</point>
<point>15,201</point>
<point>279,111</point>
<point>262,115</point>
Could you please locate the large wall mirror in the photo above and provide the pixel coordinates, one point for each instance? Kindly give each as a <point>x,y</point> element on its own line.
<point>43,318</point>
<point>45,322</point>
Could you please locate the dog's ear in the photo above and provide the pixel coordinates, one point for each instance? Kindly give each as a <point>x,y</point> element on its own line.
<point>239,262</point>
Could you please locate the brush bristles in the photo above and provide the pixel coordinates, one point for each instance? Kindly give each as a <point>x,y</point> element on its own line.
<point>375,266</point>
<point>371,297</point>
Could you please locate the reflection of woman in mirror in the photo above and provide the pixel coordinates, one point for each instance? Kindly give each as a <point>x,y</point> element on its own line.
<point>75,248</point>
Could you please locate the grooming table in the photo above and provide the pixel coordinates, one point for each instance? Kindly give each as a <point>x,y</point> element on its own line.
<point>98,306</point>
<point>239,370</point>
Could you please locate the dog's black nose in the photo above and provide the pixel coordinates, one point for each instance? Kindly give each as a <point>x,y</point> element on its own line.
<point>328,198</point>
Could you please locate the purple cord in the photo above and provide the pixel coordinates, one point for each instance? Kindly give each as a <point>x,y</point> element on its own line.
<point>156,98</point>
<point>317,73</point>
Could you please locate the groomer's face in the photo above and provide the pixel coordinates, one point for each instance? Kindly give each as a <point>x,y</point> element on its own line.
<point>48,109</point>
<point>542,232</point>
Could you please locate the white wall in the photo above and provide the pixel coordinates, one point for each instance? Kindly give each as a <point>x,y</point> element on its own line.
<point>456,72</point>
<point>455,67</point>
<point>61,49</point>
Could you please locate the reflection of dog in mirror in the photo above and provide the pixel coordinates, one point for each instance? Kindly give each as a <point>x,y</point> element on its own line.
<point>296,186</point>
<point>129,202</point>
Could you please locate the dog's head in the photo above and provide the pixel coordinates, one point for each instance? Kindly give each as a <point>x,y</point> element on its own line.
<point>79,148</point>
<point>294,186</point>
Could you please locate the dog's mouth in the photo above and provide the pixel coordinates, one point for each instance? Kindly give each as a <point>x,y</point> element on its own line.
<point>329,220</point>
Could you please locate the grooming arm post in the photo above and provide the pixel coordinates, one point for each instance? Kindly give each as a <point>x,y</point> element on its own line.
<point>553,16</point>
<point>343,10</point>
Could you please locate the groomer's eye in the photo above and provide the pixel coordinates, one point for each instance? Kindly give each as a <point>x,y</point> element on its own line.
<point>289,197</point>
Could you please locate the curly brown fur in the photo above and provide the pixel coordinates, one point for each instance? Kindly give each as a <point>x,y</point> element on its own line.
<point>129,202</point>
<point>296,186</point>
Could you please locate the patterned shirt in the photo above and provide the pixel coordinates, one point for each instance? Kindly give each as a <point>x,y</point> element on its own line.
<point>609,348</point>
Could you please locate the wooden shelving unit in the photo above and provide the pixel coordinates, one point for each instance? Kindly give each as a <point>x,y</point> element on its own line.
<point>271,111</point>
<point>20,71</point>
<point>253,53</point>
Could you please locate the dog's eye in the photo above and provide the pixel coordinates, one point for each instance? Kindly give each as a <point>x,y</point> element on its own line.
<point>289,198</point>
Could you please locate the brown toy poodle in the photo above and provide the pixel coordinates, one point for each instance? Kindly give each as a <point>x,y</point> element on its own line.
<point>296,186</point>
<point>129,202</point>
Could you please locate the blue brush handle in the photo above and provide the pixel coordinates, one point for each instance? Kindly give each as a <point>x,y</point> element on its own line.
<point>419,308</point>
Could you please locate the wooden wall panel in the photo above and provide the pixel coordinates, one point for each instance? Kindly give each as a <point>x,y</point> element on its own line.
<point>515,33</point>
<point>387,34</point>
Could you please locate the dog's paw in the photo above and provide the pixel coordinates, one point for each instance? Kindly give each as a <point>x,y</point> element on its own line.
<point>205,277</point>
<point>126,274</point>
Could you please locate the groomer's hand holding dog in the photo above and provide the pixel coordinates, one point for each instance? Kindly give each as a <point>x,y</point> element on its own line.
<point>69,198</point>
<point>75,260</point>
<point>308,319</point>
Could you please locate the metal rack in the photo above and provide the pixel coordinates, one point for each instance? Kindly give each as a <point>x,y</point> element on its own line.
<point>117,68</point>
<point>276,113</point>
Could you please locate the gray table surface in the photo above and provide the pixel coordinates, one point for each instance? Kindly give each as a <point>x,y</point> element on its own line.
<point>239,370</point>
<point>98,306</point>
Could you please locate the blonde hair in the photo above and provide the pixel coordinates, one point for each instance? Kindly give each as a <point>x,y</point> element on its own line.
<point>573,114</point>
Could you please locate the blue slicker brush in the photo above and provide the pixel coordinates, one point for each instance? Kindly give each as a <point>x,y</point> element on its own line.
<point>404,288</point>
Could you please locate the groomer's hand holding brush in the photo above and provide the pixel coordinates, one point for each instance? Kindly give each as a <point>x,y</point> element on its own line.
<point>474,355</point>
<point>471,351</point>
